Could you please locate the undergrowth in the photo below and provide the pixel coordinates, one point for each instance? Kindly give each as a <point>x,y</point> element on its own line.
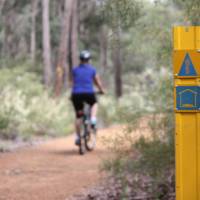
<point>144,150</point>
<point>27,109</point>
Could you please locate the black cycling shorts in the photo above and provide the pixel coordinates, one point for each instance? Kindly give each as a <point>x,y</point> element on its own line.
<point>78,101</point>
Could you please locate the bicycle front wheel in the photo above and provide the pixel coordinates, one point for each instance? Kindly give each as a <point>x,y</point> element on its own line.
<point>90,140</point>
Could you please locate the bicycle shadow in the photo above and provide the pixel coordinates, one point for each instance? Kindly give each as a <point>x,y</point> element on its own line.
<point>69,152</point>
<point>74,152</point>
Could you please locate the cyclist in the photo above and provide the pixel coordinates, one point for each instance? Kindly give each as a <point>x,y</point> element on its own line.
<point>84,77</point>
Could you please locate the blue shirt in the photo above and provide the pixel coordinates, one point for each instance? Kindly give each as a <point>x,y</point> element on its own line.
<point>83,78</point>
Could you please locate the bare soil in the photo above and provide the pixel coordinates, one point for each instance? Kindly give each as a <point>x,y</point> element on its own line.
<point>52,171</point>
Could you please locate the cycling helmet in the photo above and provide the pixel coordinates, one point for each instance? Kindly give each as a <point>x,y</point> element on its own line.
<point>85,55</point>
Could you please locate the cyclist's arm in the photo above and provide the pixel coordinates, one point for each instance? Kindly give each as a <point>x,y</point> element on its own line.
<point>98,83</point>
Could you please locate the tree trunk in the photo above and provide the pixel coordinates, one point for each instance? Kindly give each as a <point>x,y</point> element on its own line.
<point>34,5</point>
<point>2,2</point>
<point>46,44</point>
<point>117,63</point>
<point>103,48</point>
<point>74,34</point>
<point>62,68</point>
<point>9,46</point>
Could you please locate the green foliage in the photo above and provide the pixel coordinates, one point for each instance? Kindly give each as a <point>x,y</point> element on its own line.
<point>156,118</point>
<point>191,8</point>
<point>26,109</point>
<point>147,109</point>
<point>148,44</point>
<point>145,148</point>
<point>20,77</point>
<point>121,12</point>
<point>4,120</point>
<point>112,111</point>
<point>157,156</point>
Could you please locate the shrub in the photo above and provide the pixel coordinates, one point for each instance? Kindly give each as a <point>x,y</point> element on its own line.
<point>152,155</point>
<point>27,109</point>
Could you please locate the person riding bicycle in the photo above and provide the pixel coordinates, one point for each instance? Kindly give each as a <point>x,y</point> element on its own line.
<point>84,76</point>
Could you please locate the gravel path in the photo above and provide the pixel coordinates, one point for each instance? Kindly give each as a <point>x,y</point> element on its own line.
<point>52,171</point>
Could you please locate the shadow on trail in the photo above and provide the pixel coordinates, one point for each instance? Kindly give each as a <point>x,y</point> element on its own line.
<point>71,152</point>
<point>74,152</point>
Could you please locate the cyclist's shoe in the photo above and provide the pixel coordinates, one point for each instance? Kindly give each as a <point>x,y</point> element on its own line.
<point>78,141</point>
<point>93,123</point>
<point>94,126</point>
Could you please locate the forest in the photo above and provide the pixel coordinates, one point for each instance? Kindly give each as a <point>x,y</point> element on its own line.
<point>131,46</point>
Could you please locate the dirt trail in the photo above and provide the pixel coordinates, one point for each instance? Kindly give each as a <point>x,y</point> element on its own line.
<point>52,171</point>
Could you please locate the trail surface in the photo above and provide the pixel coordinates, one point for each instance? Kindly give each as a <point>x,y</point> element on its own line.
<point>52,171</point>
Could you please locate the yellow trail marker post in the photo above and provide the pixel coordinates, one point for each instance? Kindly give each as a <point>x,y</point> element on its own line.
<point>186,59</point>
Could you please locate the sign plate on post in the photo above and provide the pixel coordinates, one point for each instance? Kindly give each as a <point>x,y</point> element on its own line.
<point>188,97</point>
<point>187,68</point>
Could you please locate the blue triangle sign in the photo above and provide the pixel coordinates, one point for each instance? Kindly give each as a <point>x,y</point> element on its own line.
<point>187,68</point>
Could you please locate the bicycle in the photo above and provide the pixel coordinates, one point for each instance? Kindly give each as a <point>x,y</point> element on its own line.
<point>88,132</point>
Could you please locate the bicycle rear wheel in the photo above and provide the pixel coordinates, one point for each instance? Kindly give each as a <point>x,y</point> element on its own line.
<point>90,139</point>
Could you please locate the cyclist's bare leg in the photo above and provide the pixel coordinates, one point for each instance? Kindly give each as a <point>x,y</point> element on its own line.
<point>78,122</point>
<point>78,126</point>
<point>94,110</point>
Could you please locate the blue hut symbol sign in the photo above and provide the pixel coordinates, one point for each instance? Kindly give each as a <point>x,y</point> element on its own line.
<point>188,99</point>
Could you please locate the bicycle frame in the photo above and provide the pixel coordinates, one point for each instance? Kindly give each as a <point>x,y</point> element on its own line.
<point>88,136</point>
